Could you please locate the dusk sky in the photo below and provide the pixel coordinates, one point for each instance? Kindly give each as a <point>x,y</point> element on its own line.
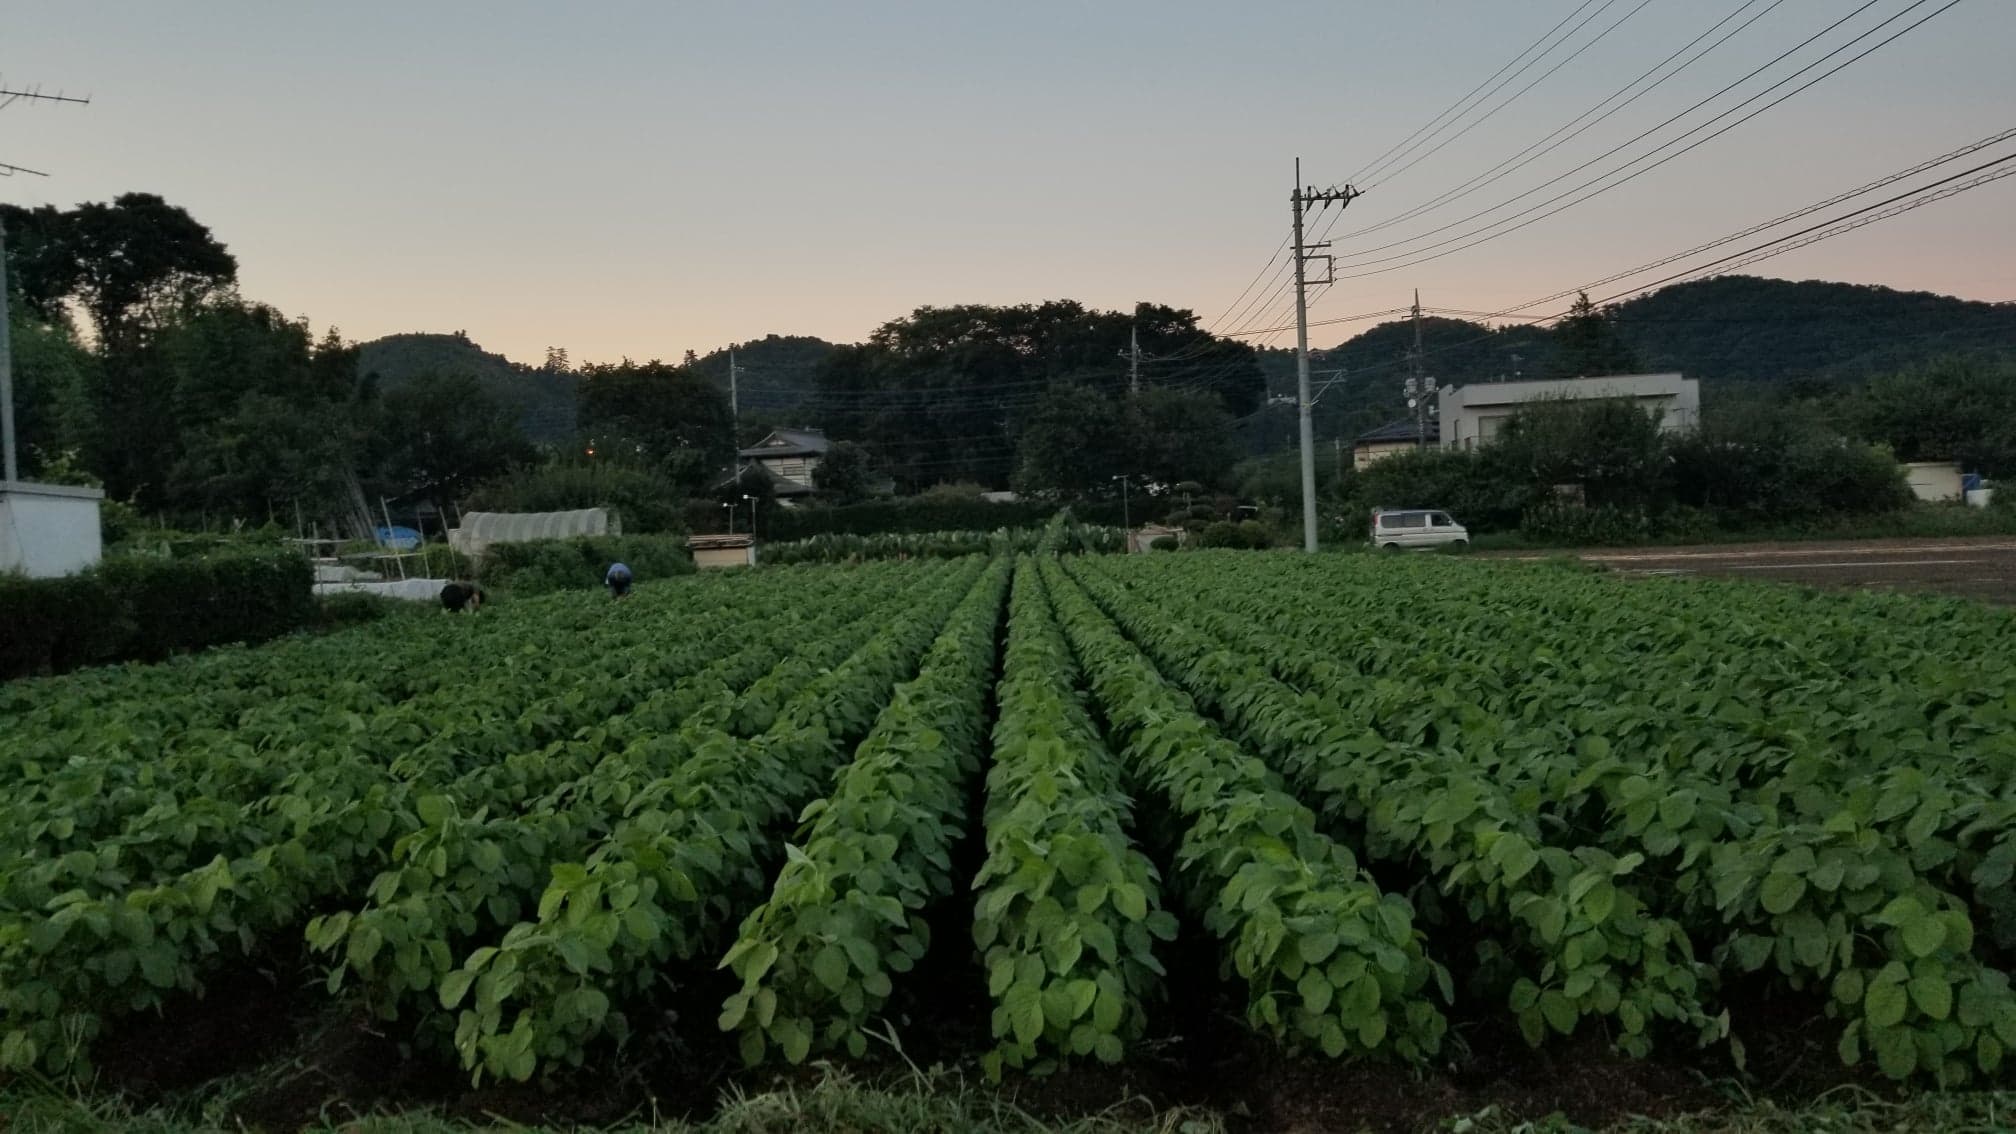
<point>646,178</point>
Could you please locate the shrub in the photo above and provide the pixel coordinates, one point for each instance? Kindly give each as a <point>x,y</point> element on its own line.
<point>542,565</point>
<point>1164,543</point>
<point>1247,534</point>
<point>928,513</point>
<point>144,608</point>
<point>333,612</point>
<point>648,502</point>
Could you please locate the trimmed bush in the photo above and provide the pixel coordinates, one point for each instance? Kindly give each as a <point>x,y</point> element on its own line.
<point>542,565</point>
<point>143,608</point>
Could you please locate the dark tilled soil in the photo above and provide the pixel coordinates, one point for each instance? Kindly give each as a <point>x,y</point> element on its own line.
<point>298,1062</point>
<point>1981,568</point>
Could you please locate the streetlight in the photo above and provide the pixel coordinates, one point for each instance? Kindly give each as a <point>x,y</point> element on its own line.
<point>752,512</point>
<point>730,505</point>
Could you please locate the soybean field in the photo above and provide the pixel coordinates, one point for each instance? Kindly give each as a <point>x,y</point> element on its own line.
<point>1393,803</point>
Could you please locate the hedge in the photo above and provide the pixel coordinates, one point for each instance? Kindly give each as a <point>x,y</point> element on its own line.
<point>910,515</point>
<point>145,608</point>
<point>542,565</point>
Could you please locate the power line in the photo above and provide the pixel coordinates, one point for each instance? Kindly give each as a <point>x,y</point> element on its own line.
<point>1283,247</point>
<point>1366,172</point>
<point>1549,73</point>
<point>1848,222</point>
<point>1459,247</point>
<point>1642,135</point>
<point>1927,194</point>
<point>1500,171</point>
<point>1887,179</point>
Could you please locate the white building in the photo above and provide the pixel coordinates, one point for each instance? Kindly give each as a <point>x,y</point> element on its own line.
<point>1472,415</point>
<point>48,530</point>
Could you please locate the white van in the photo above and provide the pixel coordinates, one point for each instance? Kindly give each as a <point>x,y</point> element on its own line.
<point>1415,528</point>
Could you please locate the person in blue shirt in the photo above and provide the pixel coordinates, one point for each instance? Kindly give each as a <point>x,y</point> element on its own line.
<point>617,580</point>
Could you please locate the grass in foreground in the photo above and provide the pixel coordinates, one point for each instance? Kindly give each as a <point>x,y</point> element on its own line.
<point>833,1104</point>
<point>941,1101</point>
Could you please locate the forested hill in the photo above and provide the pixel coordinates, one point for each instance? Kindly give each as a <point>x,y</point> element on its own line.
<point>544,399</point>
<point>776,373</point>
<point>1746,329</point>
<point>1727,331</point>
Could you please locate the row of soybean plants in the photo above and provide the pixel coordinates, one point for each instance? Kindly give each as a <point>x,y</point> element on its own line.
<point>1068,913</point>
<point>695,845</point>
<point>124,905</point>
<point>1853,840</point>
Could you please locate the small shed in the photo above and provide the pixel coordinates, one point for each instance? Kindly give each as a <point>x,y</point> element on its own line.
<point>1935,481</point>
<point>712,551</point>
<point>48,530</point>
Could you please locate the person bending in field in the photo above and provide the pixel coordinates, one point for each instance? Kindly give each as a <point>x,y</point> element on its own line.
<point>617,580</point>
<point>461,598</point>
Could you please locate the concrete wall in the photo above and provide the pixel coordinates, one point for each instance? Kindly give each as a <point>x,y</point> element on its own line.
<point>1933,480</point>
<point>706,558</point>
<point>48,530</point>
<point>1471,415</point>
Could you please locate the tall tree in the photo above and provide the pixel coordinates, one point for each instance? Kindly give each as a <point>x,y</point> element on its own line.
<point>1174,436</point>
<point>129,264</point>
<point>1075,442</point>
<point>1588,343</point>
<point>250,412</point>
<point>1954,409</point>
<point>52,382</point>
<point>947,392</point>
<point>843,473</point>
<point>442,437</point>
<point>661,415</point>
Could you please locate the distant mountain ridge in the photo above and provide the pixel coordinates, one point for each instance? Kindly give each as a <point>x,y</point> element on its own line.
<point>1729,331</point>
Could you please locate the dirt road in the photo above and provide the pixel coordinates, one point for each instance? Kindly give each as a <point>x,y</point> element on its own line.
<point>1980,568</point>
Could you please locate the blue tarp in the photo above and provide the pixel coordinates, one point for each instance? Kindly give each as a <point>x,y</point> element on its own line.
<point>398,539</point>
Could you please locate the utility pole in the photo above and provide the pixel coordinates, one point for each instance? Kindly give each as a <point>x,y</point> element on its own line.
<point>1133,360</point>
<point>734,421</point>
<point>12,470</point>
<point>10,466</point>
<point>1126,519</point>
<point>1298,203</point>
<point>1417,396</point>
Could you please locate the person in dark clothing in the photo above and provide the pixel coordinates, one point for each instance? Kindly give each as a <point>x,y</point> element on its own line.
<point>461,598</point>
<point>617,580</point>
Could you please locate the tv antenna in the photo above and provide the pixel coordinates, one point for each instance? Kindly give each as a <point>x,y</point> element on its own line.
<point>11,95</point>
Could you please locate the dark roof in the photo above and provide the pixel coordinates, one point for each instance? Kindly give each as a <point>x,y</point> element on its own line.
<point>718,541</point>
<point>790,443</point>
<point>1403,430</point>
<point>775,485</point>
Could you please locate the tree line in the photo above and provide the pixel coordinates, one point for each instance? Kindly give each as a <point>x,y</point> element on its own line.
<point>140,365</point>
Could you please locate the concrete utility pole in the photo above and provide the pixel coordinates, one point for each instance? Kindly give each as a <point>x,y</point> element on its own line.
<point>1298,203</point>
<point>1133,360</point>
<point>1417,394</point>
<point>734,420</point>
<point>13,469</point>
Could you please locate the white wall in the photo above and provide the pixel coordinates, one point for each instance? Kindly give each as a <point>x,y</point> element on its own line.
<point>1933,480</point>
<point>48,530</point>
<point>1471,414</point>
